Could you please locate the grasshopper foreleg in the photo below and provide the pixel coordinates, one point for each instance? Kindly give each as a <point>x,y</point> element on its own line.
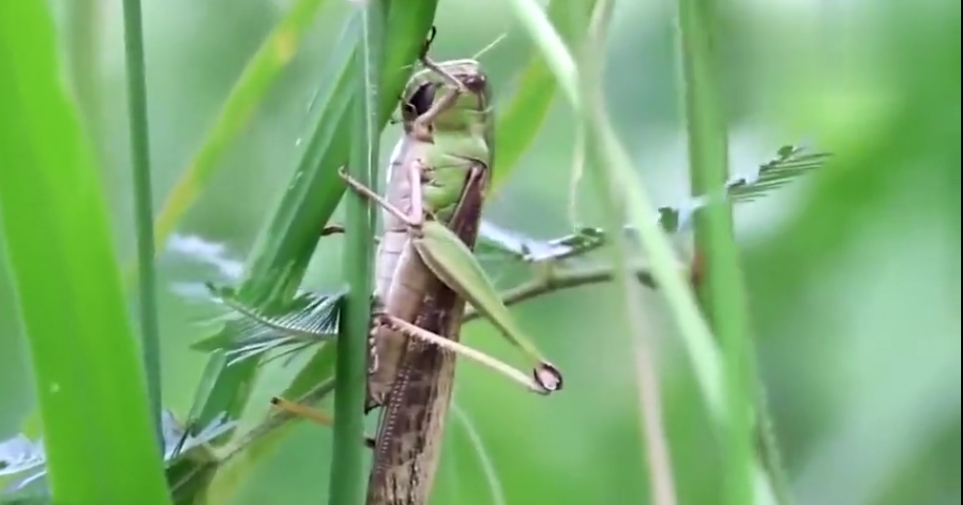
<point>416,216</point>
<point>412,219</point>
<point>420,126</point>
<point>434,67</point>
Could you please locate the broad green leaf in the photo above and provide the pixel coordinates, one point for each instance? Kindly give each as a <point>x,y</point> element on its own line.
<point>88,374</point>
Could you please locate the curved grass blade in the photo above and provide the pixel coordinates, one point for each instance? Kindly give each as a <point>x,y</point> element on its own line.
<point>275,53</point>
<point>519,122</point>
<point>90,386</point>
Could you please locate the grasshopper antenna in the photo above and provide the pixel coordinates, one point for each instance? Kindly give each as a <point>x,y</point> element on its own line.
<point>489,47</point>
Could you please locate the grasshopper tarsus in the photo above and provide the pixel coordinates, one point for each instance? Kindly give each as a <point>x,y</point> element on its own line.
<point>548,377</point>
<point>320,417</point>
<point>332,229</point>
<point>303,411</point>
<point>428,41</point>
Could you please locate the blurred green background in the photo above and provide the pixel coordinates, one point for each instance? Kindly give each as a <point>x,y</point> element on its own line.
<point>853,272</point>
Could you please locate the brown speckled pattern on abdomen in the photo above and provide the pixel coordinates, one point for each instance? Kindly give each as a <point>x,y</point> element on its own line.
<point>412,424</point>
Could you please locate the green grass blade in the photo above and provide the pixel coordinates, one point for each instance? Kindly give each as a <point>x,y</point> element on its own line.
<point>277,50</point>
<point>695,330</point>
<point>143,208</point>
<point>83,36</point>
<point>722,295</point>
<point>519,122</point>
<point>608,185</point>
<point>348,468</point>
<point>286,245</point>
<point>88,376</point>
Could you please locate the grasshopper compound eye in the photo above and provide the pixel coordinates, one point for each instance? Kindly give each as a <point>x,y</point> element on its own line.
<point>474,82</point>
<point>422,98</point>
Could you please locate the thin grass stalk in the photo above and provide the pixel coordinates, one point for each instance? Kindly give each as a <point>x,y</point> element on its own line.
<point>613,201</point>
<point>348,473</point>
<point>723,295</point>
<point>143,207</point>
<point>665,267</point>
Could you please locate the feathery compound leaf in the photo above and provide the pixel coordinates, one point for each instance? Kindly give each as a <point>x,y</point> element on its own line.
<point>26,460</point>
<point>308,319</point>
<point>494,238</point>
<point>19,456</point>
<point>789,163</point>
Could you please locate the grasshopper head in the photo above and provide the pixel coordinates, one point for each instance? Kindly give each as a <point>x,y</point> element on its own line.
<point>427,86</point>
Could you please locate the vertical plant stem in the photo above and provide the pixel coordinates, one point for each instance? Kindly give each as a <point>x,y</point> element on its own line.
<point>347,471</point>
<point>143,208</point>
<point>723,295</point>
<point>613,199</point>
<point>695,331</point>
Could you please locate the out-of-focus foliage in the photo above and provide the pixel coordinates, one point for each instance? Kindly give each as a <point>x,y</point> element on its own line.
<point>853,273</point>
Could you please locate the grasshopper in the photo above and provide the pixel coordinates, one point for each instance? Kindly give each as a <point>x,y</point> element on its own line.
<point>425,272</point>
